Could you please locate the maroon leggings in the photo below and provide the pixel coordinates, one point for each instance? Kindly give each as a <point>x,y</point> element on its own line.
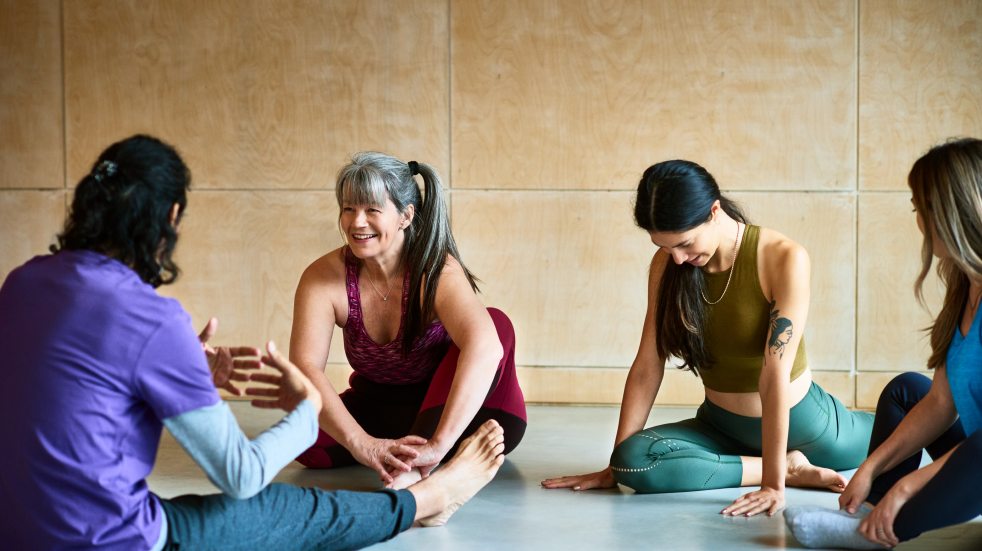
<point>394,411</point>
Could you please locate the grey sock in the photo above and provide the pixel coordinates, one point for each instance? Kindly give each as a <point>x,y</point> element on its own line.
<point>828,528</point>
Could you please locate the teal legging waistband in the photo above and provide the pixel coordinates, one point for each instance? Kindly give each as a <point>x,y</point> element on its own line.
<point>704,453</point>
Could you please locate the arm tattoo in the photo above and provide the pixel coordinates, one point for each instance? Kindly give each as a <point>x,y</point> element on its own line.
<point>781,332</point>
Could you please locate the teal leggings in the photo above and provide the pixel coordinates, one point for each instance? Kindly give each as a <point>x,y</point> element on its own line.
<point>704,453</point>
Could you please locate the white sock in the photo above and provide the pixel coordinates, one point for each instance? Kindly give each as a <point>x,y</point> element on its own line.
<point>814,527</point>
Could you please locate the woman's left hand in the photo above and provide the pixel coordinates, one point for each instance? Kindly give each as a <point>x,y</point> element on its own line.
<point>430,455</point>
<point>878,525</point>
<point>226,361</point>
<point>764,499</point>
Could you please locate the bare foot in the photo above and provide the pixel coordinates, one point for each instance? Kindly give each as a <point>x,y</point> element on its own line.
<point>449,487</point>
<point>802,474</point>
<point>405,480</point>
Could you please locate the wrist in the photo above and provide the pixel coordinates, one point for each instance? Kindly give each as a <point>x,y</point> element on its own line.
<point>356,439</point>
<point>438,445</point>
<point>867,470</point>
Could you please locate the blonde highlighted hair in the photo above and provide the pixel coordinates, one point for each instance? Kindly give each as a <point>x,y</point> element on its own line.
<point>946,187</point>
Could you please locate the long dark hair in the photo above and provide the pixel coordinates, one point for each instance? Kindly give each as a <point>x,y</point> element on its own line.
<point>121,207</point>
<point>368,179</point>
<point>676,196</point>
<point>946,188</point>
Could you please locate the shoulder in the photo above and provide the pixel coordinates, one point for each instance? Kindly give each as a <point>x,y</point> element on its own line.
<point>779,254</point>
<point>453,267</point>
<point>453,276</point>
<point>324,272</point>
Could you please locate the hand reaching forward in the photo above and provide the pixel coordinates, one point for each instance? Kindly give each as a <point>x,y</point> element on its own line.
<point>590,481</point>
<point>856,491</point>
<point>429,457</point>
<point>764,499</point>
<point>387,457</point>
<point>877,527</point>
<point>290,385</point>
<point>227,362</point>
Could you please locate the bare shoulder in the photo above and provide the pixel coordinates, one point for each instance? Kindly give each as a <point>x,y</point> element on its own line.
<point>325,273</point>
<point>782,263</point>
<point>779,253</point>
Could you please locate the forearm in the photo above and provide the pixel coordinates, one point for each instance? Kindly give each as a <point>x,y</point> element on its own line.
<point>640,391</point>
<point>776,406</point>
<point>476,368</point>
<point>909,485</point>
<point>237,466</point>
<point>335,419</point>
<point>922,425</point>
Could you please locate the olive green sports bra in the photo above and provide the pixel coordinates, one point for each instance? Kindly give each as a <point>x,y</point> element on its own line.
<point>737,327</point>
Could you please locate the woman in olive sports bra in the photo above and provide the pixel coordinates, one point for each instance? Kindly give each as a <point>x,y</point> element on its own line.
<point>729,300</point>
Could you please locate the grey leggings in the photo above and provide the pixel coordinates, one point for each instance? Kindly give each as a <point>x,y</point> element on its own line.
<point>704,453</point>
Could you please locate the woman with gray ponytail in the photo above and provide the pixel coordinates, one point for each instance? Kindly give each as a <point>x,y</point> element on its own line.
<point>430,362</point>
<point>729,300</point>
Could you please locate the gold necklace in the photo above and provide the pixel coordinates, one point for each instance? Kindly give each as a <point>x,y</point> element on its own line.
<point>736,249</point>
<point>388,290</point>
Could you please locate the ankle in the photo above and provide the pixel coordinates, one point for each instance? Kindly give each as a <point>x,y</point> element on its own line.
<point>430,498</point>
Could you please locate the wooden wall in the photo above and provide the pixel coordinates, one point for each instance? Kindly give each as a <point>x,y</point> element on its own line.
<point>542,116</point>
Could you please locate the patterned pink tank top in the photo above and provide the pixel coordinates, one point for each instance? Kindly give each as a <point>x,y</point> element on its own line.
<point>385,364</point>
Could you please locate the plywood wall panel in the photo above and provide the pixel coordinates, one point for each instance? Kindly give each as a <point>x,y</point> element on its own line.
<point>825,224</point>
<point>256,94</point>
<point>920,72</point>
<point>890,320</point>
<point>242,254</point>
<point>29,222</point>
<point>583,94</point>
<point>32,136</point>
<point>569,268</point>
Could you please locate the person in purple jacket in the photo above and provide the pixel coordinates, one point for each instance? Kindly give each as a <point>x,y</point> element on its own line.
<point>96,363</point>
<point>891,498</point>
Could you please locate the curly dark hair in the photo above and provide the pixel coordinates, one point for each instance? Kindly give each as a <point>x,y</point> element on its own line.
<point>122,207</point>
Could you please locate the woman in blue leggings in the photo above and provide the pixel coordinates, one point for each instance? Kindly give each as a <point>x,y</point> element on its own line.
<point>890,499</point>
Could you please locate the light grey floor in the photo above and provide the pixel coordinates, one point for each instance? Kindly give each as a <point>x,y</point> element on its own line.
<point>513,512</point>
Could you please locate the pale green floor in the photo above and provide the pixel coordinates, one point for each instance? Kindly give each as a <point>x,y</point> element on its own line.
<point>513,512</point>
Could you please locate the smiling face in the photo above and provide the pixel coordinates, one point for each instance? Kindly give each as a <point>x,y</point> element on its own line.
<point>695,246</point>
<point>374,230</point>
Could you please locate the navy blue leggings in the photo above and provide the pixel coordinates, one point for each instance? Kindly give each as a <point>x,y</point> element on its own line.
<point>953,496</point>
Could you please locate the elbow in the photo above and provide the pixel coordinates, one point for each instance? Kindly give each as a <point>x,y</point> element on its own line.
<point>245,491</point>
<point>241,493</point>
<point>243,486</point>
<point>489,351</point>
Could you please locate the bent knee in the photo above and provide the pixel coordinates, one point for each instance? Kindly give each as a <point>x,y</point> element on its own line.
<point>905,384</point>
<point>501,321</point>
<point>650,463</point>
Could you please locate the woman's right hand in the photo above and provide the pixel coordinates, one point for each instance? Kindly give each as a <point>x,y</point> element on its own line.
<point>291,386</point>
<point>591,481</point>
<point>386,456</point>
<point>856,491</point>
